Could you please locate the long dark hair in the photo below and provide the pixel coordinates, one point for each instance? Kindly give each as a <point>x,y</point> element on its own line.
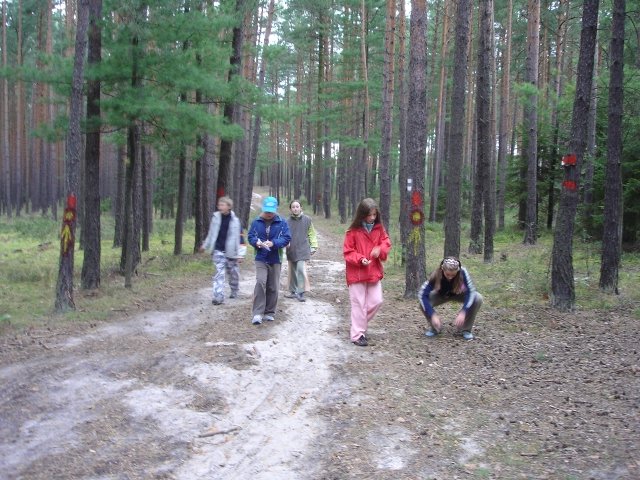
<point>457,282</point>
<point>364,207</point>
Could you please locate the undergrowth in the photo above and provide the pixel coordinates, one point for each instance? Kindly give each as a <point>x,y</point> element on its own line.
<point>518,276</point>
<point>29,258</point>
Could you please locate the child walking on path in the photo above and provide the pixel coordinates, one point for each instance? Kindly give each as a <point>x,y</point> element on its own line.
<point>366,246</point>
<point>304,243</point>
<point>225,242</point>
<point>268,234</point>
<point>450,282</point>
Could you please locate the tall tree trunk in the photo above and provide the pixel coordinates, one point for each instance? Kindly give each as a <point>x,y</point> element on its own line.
<point>329,161</point>
<point>6,171</point>
<point>558,85</point>
<point>454,167</point>
<point>531,123</point>
<point>21,194</point>
<point>363,169</point>
<point>248,176</point>
<point>225,162</point>
<point>415,269</point>
<point>388,76</point>
<point>131,234</point>
<point>318,160</point>
<point>298,141</point>
<point>485,124</point>
<point>612,227</point>
<point>440,118</point>
<point>590,154</point>
<point>182,194</point>
<point>64,289</point>
<point>562,278</point>
<point>503,129</point>
<point>91,224</point>
<point>118,200</point>
<point>403,104</point>
<point>146,192</point>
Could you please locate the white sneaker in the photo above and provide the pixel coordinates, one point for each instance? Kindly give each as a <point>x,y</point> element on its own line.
<point>269,318</point>
<point>257,319</point>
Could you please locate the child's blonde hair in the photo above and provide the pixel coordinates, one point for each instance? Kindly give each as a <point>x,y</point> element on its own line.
<point>226,200</point>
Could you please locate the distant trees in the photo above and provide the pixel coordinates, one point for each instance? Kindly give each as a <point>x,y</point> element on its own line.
<point>311,99</point>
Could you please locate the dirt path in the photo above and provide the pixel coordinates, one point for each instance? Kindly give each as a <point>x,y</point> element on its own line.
<point>193,392</point>
<point>196,392</point>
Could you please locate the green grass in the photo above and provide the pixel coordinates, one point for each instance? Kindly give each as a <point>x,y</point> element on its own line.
<point>519,275</point>
<point>29,256</point>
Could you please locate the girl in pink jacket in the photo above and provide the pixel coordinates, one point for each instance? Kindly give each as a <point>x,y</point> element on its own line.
<point>366,246</point>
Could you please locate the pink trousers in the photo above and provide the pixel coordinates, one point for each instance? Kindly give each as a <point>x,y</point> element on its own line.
<point>366,299</point>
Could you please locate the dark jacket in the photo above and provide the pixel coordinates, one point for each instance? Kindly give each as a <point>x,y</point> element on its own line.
<point>278,233</point>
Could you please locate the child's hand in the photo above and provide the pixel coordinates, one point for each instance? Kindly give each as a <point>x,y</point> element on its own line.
<point>459,321</point>
<point>365,261</point>
<point>436,323</point>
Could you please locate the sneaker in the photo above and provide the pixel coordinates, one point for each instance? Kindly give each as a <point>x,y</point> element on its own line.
<point>268,318</point>
<point>217,302</point>
<point>431,333</point>
<point>257,319</point>
<point>361,342</point>
<point>290,295</point>
<point>300,297</point>
<point>233,295</point>
<point>467,335</point>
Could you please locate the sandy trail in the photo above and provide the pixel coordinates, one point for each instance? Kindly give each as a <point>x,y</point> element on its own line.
<point>192,393</point>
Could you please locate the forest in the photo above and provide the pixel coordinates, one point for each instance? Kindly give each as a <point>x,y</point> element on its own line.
<point>444,112</point>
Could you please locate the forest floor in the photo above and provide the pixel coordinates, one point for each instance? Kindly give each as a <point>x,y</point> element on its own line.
<point>182,389</point>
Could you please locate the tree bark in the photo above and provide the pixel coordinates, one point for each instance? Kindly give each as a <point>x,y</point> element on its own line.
<point>182,198</point>
<point>6,171</point>
<point>440,118</point>
<point>118,200</point>
<point>225,161</point>
<point>456,141</point>
<point>415,269</point>
<point>363,170</point>
<point>484,119</point>
<point>531,123</point>
<point>21,194</point>
<point>562,279</point>
<point>91,225</point>
<point>64,289</point>
<point>503,129</point>
<point>403,104</point>
<point>612,227</point>
<point>388,76</point>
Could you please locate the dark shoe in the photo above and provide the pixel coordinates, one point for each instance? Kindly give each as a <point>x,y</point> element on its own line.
<point>300,297</point>
<point>290,295</point>
<point>217,302</point>
<point>233,295</point>
<point>361,342</point>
